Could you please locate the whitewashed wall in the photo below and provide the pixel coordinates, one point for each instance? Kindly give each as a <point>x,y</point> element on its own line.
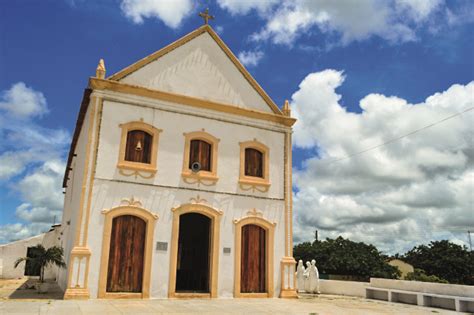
<point>72,199</point>
<point>167,189</point>
<point>10,252</point>
<point>171,147</point>
<point>201,69</point>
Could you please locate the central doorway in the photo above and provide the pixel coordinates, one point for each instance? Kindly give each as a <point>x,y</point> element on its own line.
<point>193,260</point>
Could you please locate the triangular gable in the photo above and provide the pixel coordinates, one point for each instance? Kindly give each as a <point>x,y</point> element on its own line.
<point>199,65</point>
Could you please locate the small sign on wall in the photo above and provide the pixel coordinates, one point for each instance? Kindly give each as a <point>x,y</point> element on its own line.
<point>226,250</point>
<point>163,246</point>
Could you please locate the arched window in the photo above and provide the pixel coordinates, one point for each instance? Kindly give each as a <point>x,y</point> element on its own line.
<point>138,146</point>
<point>254,166</point>
<point>200,147</point>
<point>200,151</point>
<point>253,162</point>
<point>138,149</point>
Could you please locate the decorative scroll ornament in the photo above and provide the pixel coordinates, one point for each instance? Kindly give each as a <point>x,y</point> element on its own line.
<point>137,173</point>
<point>132,202</point>
<point>198,200</point>
<point>254,213</point>
<point>199,180</point>
<point>253,187</point>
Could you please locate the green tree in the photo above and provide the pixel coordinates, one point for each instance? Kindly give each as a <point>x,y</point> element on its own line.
<point>44,257</point>
<point>344,257</point>
<point>445,260</point>
<point>420,275</point>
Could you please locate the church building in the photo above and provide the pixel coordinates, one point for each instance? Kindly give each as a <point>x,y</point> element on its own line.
<point>178,181</point>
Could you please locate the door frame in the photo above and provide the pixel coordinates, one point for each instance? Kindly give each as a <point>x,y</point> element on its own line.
<point>150,220</point>
<point>214,215</point>
<point>269,228</point>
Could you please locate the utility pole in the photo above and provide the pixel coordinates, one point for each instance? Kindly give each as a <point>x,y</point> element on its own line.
<point>470,242</point>
<point>316,235</point>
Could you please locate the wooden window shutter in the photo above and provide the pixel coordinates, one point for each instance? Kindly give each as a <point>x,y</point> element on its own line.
<point>200,151</point>
<point>253,163</point>
<point>138,146</point>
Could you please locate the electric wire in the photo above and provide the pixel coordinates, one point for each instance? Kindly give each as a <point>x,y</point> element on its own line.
<point>397,138</point>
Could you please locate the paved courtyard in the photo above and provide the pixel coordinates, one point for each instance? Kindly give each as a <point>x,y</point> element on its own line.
<point>16,301</point>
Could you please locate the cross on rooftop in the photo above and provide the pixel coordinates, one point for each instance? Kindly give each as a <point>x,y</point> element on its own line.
<point>206,16</point>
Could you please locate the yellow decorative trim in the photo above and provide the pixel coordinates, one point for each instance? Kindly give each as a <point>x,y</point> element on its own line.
<point>205,28</point>
<point>215,216</point>
<point>80,250</point>
<point>202,177</point>
<point>132,202</point>
<point>254,183</point>
<point>99,84</point>
<point>288,263</point>
<point>254,217</point>
<point>198,199</point>
<point>76,294</point>
<point>137,168</point>
<point>150,219</point>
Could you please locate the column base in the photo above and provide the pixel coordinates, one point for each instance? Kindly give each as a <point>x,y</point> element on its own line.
<point>76,294</point>
<point>288,294</point>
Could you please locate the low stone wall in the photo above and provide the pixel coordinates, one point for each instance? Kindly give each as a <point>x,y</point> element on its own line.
<point>424,287</point>
<point>337,287</point>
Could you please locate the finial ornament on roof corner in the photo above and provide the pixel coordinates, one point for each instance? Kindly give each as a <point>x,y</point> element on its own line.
<point>100,71</point>
<point>287,109</point>
<point>206,16</point>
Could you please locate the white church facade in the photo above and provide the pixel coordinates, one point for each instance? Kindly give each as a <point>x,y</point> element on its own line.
<point>178,181</point>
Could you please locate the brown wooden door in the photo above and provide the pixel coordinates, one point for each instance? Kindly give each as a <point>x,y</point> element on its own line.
<point>127,249</point>
<point>253,262</point>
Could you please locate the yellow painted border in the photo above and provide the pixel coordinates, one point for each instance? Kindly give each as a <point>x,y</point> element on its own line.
<point>215,216</point>
<point>101,84</point>
<point>150,219</point>
<point>269,228</point>
<point>183,40</point>
<point>201,176</point>
<point>251,181</point>
<point>137,166</point>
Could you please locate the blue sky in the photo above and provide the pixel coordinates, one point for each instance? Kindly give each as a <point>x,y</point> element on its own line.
<point>385,52</point>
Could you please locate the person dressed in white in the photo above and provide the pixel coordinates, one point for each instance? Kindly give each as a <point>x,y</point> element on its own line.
<point>300,276</point>
<point>313,278</point>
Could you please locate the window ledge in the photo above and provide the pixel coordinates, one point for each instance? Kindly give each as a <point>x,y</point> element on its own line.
<point>136,169</point>
<point>253,184</point>
<point>202,177</point>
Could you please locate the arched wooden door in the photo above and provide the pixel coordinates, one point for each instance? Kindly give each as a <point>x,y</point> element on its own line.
<point>253,259</point>
<point>126,255</point>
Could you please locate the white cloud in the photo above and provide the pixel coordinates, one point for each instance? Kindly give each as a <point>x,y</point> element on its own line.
<point>410,191</point>
<point>245,6</point>
<point>418,10</point>
<point>31,162</point>
<point>395,21</point>
<point>23,102</point>
<point>18,231</point>
<point>250,58</point>
<point>171,12</point>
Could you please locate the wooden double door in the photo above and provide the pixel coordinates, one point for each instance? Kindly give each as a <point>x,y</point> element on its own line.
<point>126,254</point>
<point>253,270</point>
